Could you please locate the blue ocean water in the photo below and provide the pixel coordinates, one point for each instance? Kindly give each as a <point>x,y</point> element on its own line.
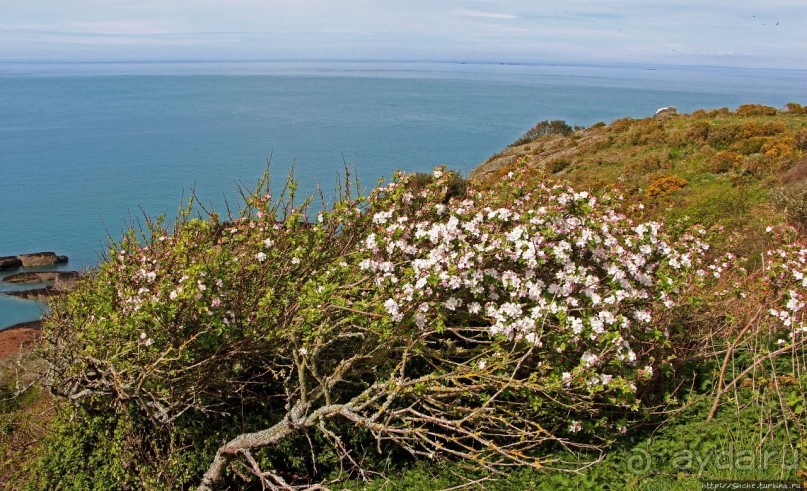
<point>85,148</point>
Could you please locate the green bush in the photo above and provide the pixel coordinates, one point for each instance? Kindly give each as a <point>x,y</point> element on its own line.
<point>720,137</point>
<point>748,146</point>
<point>755,110</point>
<point>794,108</point>
<point>801,139</point>
<point>792,200</point>
<point>558,165</point>
<point>698,131</point>
<point>720,112</point>
<point>722,162</point>
<point>544,128</point>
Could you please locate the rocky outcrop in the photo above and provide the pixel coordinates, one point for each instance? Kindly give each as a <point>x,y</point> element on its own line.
<point>60,281</point>
<point>33,260</point>
<point>37,294</point>
<point>10,262</point>
<point>25,278</point>
<point>41,259</point>
<point>65,278</point>
<point>665,112</point>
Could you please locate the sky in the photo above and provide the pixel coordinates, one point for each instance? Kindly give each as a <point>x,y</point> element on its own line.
<point>759,34</point>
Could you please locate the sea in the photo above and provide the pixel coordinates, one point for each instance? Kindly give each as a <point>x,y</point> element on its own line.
<point>87,149</point>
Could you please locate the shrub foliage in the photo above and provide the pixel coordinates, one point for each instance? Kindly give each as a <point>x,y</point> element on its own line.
<point>544,128</point>
<point>480,327</point>
<point>286,347</point>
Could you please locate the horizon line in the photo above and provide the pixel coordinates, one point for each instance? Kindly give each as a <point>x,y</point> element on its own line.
<point>381,60</point>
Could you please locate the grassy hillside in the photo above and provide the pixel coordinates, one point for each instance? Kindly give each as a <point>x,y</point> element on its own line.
<point>715,167</point>
<point>727,401</point>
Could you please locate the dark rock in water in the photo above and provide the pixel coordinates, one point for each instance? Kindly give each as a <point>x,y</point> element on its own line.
<point>40,294</point>
<point>31,260</point>
<point>40,259</point>
<point>63,281</point>
<point>25,278</point>
<point>64,277</point>
<point>10,262</point>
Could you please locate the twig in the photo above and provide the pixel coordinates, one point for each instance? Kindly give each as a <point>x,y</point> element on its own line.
<point>720,389</point>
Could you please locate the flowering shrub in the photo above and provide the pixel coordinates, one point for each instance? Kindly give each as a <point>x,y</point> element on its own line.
<point>663,186</point>
<point>478,327</point>
<point>751,129</point>
<point>554,270</point>
<point>699,130</point>
<point>795,108</point>
<point>755,110</point>
<point>722,136</point>
<point>780,147</point>
<point>792,200</point>
<point>786,275</point>
<point>767,333</point>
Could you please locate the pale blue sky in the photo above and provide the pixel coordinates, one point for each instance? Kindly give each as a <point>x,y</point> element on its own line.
<point>768,33</point>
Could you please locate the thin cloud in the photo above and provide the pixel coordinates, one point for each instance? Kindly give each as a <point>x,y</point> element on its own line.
<point>121,27</point>
<point>108,39</point>
<point>92,28</point>
<point>484,15</point>
<point>590,30</point>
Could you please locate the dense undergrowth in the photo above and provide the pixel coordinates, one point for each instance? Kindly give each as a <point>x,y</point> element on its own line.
<point>640,329</point>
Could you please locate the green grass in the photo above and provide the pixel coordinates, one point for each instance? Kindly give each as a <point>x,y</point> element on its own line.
<point>679,455</point>
<point>626,156</point>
